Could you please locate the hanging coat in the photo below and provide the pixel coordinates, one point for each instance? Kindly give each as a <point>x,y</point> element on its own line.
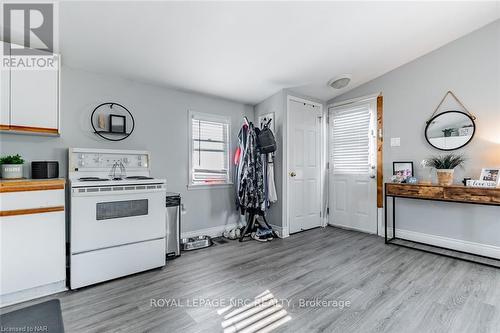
<point>251,182</point>
<point>242,139</point>
<point>272,196</point>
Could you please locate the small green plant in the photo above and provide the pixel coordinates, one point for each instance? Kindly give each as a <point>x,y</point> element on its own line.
<point>11,159</point>
<point>450,161</point>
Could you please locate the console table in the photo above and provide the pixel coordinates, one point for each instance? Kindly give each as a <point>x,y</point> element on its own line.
<point>452,193</point>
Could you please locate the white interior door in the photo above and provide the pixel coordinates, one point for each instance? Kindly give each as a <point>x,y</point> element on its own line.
<point>352,158</point>
<point>304,166</point>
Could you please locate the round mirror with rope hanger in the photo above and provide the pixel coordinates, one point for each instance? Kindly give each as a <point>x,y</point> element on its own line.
<point>451,129</point>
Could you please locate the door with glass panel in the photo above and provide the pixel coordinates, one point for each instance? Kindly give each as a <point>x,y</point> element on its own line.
<point>352,160</point>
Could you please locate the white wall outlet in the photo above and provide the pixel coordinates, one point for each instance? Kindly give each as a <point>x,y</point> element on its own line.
<point>395,142</point>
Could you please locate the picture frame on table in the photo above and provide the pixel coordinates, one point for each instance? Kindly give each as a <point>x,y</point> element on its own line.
<point>402,170</point>
<point>491,175</point>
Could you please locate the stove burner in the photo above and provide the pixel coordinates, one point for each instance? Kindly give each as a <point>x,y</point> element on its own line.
<point>139,177</point>
<point>92,179</point>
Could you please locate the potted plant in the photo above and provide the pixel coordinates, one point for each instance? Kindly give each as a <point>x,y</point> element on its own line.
<point>12,166</point>
<point>445,167</point>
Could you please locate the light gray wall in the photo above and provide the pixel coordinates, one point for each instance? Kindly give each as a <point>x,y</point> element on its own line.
<point>161,127</point>
<point>470,67</point>
<point>276,104</point>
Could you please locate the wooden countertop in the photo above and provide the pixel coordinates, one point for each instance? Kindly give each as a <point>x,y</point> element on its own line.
<point>20,185</point>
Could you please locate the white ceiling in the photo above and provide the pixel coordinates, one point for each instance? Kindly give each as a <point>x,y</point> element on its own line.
<point>246,51</point>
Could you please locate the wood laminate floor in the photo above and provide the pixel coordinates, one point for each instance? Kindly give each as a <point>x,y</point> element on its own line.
<point>389,289</point>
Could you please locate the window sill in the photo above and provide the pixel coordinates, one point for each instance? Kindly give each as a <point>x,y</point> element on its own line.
<point>209,187</point>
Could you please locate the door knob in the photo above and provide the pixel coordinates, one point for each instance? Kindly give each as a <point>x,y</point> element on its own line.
<point>293,174</point>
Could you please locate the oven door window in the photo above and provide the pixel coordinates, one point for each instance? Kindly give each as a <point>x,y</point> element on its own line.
<point>120,209</point>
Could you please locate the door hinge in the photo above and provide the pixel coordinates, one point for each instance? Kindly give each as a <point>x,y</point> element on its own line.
<point>327,165</point>
<point>327,210</point>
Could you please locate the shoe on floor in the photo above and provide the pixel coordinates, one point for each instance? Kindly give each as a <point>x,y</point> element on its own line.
<point>230,234</point>
<point>259,238</point>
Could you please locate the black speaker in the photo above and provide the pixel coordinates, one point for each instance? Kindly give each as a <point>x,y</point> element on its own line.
<point>44,169</point>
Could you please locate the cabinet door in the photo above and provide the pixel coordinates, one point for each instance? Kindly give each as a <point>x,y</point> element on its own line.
<point>34,99</point>
<point>32,251</point>
<point>4,93</point>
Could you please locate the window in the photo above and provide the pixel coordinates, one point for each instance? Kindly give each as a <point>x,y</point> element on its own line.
<point>352,139</point>
<point>209,149</point>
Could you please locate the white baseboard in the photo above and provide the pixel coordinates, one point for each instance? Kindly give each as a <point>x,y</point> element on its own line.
<point>212,232</point>
<point>451,243</point>
<point>32,293</point>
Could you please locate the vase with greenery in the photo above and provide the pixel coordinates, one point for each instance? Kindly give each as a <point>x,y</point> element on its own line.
<point>12,166</point>
<point>445,166</point>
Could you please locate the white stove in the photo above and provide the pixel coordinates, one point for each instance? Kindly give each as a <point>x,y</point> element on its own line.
<point>117,219</point>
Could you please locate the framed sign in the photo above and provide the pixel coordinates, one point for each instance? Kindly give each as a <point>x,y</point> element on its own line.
<point>490,175</point>
<point>117,123</point>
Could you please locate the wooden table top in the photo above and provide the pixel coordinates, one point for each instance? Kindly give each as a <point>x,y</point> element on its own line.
<point>455,192</point>
<point>437,185</point>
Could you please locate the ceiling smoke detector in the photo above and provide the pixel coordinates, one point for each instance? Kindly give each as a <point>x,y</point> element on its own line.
<point>340,81</point>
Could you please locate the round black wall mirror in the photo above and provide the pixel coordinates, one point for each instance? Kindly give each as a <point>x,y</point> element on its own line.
<point>450,130</point>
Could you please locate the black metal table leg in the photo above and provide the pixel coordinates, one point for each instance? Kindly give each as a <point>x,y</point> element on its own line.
<point>385,216</point>
<point>393,217</point>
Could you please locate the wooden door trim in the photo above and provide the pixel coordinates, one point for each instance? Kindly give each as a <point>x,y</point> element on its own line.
<point>380,151</point>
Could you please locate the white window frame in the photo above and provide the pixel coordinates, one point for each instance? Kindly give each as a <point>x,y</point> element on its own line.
<point>214,118</point>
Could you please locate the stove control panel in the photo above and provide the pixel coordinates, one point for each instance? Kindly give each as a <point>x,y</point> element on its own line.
<point>104,159</point>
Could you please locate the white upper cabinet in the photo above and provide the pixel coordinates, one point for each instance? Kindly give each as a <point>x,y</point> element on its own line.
<point>33,100</point>
<point>4,93</point>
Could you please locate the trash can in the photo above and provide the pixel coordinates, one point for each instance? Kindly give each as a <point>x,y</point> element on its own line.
<point>173,204</point>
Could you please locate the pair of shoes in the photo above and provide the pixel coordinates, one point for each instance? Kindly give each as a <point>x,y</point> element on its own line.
<point>263,231</point>
<point>263,235</point>
<point>232,234</point>
<point>261,238</point>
